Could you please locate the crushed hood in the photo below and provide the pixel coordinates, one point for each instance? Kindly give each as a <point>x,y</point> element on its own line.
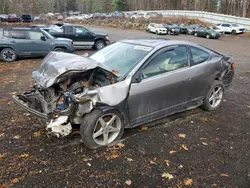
<point>58,63</point>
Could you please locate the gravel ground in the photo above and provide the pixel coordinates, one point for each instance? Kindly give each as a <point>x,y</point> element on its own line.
<point>214,153</point>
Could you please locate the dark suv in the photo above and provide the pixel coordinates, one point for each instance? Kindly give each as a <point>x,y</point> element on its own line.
<point>32,42</point>
<point>27,18</point>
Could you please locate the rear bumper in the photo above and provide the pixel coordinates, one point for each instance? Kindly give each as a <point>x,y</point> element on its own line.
<point>25,106</point>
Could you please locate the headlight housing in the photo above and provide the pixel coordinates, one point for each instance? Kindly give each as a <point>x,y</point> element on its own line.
<point>107,37</point>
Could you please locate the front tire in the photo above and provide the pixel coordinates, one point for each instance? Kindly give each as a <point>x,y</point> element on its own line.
<point>60,50</point>
<point>8,55</point>
<point>214,96</point>
<point>234,32</point>
<point>99,44</point>
<point>100,128</point>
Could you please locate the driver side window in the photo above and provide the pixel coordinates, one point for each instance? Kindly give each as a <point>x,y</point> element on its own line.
<point>166,61</point>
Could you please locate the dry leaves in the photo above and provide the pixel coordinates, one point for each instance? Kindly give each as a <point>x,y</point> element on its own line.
<point>144,128</point>
<point>167,162</point>
<point>87,159</point>
<point>128,182</point>
<point>204,143</point>
<point>188,181</point>
<point>224,175</point>
<point>172,152</point>
<point>153,161</point>
<point>120,145</point>
<point>167,175</point>
<point>182,135</point>
<point>3,155</point>
<point>16,180</point>
<point>24,155</point>
<point>203,119</point>
<point>37,134</point>
<point>248,106</point>
<point>184,147</point>
<point>17,137</point>
<point>129,159</point>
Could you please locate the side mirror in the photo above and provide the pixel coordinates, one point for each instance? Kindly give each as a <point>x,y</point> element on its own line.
<point>43,38</point>
<point>138,78</point>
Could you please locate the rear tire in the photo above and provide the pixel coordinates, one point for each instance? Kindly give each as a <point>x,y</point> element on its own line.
<point>8,55</point>
<point>214,96</point>
<point>93,132</point>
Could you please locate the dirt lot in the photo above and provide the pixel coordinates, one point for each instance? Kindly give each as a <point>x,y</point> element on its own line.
<point>214,153</point>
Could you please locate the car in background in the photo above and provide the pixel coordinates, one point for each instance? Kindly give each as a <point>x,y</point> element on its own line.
<point>82,36</point>
<point>172,29</point>
<point>27,18</point>
<point>142,15</point>
<point>183,28</point>
<point>3,17</point>
<point>219,30</point>
<point>37,19</point>
<point>30,42</point>
<point>207,32</point>
<point>231,28</point>
<point>193,28</point>
<point>13,18</point>
<point>127,84</point>
<point>156,28</point>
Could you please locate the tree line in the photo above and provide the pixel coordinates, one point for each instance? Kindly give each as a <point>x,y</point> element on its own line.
<point>231,7</point>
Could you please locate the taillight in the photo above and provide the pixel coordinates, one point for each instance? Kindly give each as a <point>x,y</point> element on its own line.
<point>233,66</point>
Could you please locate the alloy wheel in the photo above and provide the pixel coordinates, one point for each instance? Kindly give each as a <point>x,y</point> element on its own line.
<point>216,96</point>
<point>107,129</point>
<point>9,55</point>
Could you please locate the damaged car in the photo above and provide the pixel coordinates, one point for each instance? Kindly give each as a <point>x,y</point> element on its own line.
<point>124,85</point>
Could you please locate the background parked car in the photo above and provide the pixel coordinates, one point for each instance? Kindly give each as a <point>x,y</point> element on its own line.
<point>13,18</point>
<point>183,28</point>
<point>193,28</point>
<point>82,36</point>
<point>231,28</point>
<point>172,29</point>
<point>27,18</point>
<point>3,17</point>
<point>219,30</point>
<point>30,41</point>
<point>157,29</point>
<point>207,32</point>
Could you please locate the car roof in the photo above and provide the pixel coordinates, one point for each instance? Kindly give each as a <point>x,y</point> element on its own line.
<point>23,28</point>
<point>158,42</point>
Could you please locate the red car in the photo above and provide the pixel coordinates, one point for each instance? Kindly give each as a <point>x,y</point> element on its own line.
<point>13,18</point>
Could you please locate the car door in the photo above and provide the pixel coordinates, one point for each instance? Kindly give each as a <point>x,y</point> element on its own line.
<point>161,89</point>
<point>83,37</point>
<point>40,45</point>
<point>201,70</point>
<point>226,27</point>
<point>19,42</point>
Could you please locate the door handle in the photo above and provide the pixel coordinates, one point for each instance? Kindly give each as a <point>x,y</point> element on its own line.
<point>12,41</point>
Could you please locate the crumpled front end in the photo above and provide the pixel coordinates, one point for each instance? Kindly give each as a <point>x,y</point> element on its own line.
<point>72,94</point>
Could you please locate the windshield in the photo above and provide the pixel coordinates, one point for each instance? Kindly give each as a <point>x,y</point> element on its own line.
<point>121,57</point>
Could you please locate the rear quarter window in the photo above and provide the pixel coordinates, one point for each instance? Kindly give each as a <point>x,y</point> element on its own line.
<point>198,56</point>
